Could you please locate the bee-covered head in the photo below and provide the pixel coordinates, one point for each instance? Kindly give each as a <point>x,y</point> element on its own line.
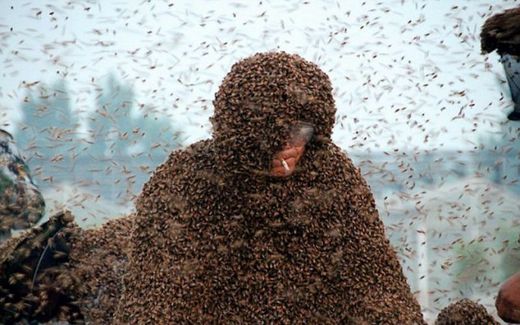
<point>260,102</point>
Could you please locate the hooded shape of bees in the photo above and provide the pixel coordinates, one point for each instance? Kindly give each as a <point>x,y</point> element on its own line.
<point>217,240</point>
<point>259,102</point>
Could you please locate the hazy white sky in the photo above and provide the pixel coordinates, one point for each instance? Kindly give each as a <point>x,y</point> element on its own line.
<point>407,74</point>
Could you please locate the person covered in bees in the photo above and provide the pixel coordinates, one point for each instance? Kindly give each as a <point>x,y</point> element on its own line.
<point>21,203</point>
<point>266,222</point>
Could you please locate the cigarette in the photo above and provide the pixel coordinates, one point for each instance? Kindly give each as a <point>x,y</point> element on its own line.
<point>284,163</point>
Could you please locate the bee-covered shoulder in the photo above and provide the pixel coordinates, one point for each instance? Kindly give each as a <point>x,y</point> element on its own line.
<point>184,157</point>
<point>343,166</point>
<point>169,175</point>
<point>351,185</point>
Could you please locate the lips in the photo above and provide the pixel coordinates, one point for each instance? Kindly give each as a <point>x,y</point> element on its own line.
<point>285,161</point>
<point>508,300</point>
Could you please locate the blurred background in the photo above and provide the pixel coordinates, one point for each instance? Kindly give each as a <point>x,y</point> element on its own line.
<point>98,93</point>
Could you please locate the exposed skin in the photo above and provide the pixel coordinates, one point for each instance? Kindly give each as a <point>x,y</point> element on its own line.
<point>508,300</point>
<point>291,154</point>
<point>284,162</point>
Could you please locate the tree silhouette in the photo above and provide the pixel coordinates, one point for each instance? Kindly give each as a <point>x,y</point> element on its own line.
<point>118,129</point>
<point>48,129</point>
<point>134,140</point>
<point>111,124</point>
<point>158,137</point>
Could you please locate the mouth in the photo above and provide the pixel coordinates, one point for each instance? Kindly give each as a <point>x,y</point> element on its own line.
<point>285,161</point>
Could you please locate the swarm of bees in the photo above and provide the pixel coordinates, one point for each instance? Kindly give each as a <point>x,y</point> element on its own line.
<point>407,98</point>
